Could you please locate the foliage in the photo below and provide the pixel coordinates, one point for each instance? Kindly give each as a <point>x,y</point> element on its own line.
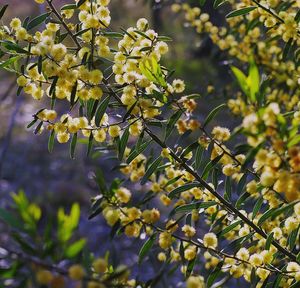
<point>232,208</point>
<point>47,251</point>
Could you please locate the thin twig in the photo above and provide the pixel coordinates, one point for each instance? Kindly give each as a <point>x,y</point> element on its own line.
<point>222,200</point>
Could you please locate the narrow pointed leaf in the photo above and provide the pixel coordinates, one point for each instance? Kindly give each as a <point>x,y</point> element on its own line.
<point>240,12</point>
<point>73,145</point>
<point>51,141</point>
<point>146,247</point>
<point>152,168</point>
<point>212,114</point>
<point>182,188</point>
<point>123,143</point>
<point>37,21</point>
<point>101,110</point>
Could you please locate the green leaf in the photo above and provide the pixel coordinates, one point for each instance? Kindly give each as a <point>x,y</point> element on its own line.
<point>75,248</point>
<point>230,227</point>
<point>214,275</point>
<point>298,257</point>
<point>292,238</point>
<point>67,223</point>
<point>212,114</point>
<point>198,157</point>
<point>295,285</point>
<point>90,144</point>
<point>32,123</point>
<point>277,280</point>
<point>242,80</point>
<point>190,267</point>
<point>80,33</point>
<point>9,61</point>
<point>241,184</point>
<point>137,151</point>
<point>228,189</point>
<point>173,180</point>
<point>129,111</point>
<point>10,219</point>
<point>113,34</point>
<point>53,85</point>
<point>68,7</point>
<point>95,213</point>
<point>294,141</point>
<point>274,212</point>
<point>189,149</point>
<point>91,108</point>
<point>73,145</point>
<point>240,12</point>
<point>253,80</point>
<point>210,165</point>
<point>171,123</point>
<point>2,11</point>
<point>38,127</point>
<point>101,110</point>
<point>164,38</point>
<point>251,154</point>
<point>37,21</point>
<point>269,241</point>
<point>257,206</point>
<point>193,206</point>
<point>123,143</point>
<point>297,16</point>
<point>286,49</point>
<point>202,2</point>
<point>152,70</point>
<point>73,94</point>
<point>80,2</point>
<point>40,64</point>
<point>11,46</point>
<point>182,188</point>
<point>147,37</point>
<point>51,141</point>
<point>146,247</point>
<point>152,168</point>
<point>218,3</point>
<point>114,229</point>
<point>237,243</point>
<point>25,245</point>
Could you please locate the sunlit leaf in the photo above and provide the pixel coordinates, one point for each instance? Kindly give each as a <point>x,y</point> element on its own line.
<point>146,247</point>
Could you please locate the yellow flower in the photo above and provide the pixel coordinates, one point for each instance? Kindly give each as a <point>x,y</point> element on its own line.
<point>256,259</point>
<point>142,24</point>
<point>44,277</point>
<point>15,23</point>
<point>161,257</point>
<point>114,131</point>
<point>195,282</point>
<point>63,137</point>
<point>100,265</point>
<point>210,240</point>
<point>190,253</point>
<point>178,85</point>
<point>123,195</point>
<point>76,272</point>
<point>188,230</point>
<point>111,216</point>
<point>22,81</point>
<point>221,134</point>
<point>165,240</point>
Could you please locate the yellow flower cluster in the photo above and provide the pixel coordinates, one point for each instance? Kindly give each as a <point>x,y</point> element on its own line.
<point>242,43</point>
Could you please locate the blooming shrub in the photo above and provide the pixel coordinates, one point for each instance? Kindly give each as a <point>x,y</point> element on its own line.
<point>232,209</point>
